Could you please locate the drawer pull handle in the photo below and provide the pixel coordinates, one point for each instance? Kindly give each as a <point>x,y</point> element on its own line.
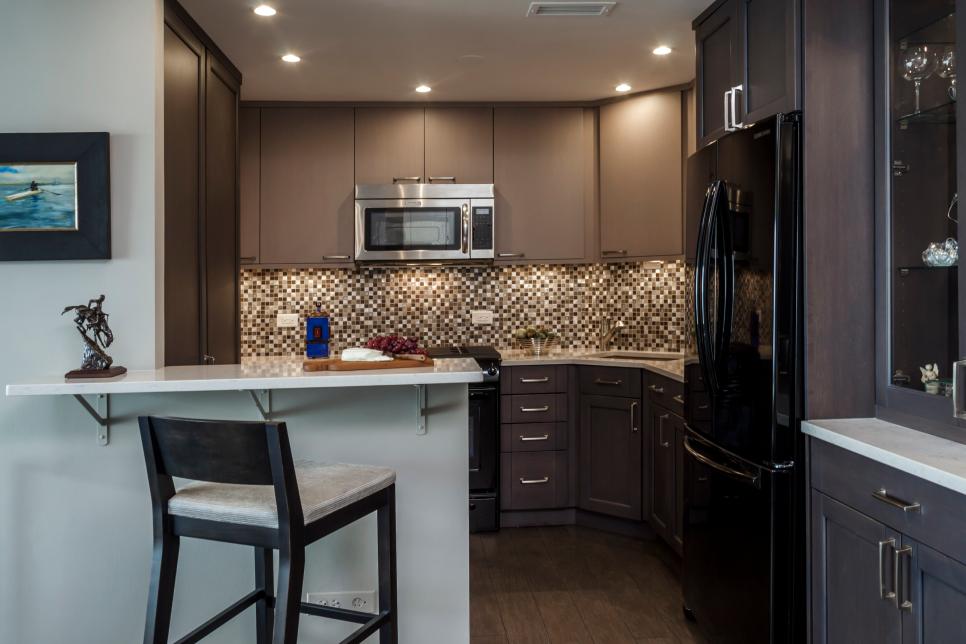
<point>531,381</point>
<point>542,481</point>
<point>535,410</point>
<point>634,427</point>
<point>335,257</point>
<point>885,593</point>
<point>679,399</point>
<point>656,389</point>
<point>609,383</point>
<point>901,598</point>
<point>895,502</point>
<point>660,430</point>
<point>613,252</point>
<point>703,407</point>
<point>511,255</point>
<point>545,437</point>
<point>249,258</point>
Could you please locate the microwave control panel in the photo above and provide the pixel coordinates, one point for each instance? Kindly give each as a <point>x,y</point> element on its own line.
<point>482,246</point>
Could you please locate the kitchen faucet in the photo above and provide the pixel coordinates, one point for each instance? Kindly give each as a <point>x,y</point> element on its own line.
<point>608,330</point>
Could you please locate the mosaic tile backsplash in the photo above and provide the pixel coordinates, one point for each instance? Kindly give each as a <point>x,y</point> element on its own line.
<point>434,304</point>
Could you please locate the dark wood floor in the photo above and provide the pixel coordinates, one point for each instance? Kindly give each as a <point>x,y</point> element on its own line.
<point>574,585</point>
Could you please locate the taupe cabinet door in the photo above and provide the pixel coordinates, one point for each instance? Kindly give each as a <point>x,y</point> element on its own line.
<point>389,144</point>
<point>249,150</point>
<point>307,189</point>
<point>542,182</point>
<point>640,177</point>
<point>459,145</point>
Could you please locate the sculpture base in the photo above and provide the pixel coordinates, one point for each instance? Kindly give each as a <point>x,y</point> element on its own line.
<point>110,372</point>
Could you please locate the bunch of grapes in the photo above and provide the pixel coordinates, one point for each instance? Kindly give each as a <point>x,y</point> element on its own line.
<point>395,344</point>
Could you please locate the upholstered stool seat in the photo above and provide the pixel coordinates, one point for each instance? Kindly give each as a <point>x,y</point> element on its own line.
<point>323,489</point>
<point>244,487</point>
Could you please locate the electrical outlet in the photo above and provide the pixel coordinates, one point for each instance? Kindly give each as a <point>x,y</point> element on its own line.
<point>287,320</point>
<point>482,317</point>
<point>362,600</point>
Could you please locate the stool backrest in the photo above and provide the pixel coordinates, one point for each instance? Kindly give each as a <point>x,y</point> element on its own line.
<point>215,451</point>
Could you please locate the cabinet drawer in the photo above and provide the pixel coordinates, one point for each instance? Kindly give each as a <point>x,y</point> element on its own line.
<point>534,480</point>
<point>538,379</point>
<point>533,408</point>
<point>857,481</point>
<point>610,381</point>
<point>533,437</point>
<point>666,392</point>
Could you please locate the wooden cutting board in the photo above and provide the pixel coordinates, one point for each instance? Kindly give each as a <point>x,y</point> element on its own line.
<point>335,364</point>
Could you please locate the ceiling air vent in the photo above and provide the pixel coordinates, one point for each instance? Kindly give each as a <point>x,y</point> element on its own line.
<point>570,8</point>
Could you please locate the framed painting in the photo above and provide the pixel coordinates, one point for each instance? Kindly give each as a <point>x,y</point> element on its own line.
<point>55,196</point>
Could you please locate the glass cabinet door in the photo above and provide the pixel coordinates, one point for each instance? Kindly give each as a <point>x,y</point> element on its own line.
<point>923,214</point>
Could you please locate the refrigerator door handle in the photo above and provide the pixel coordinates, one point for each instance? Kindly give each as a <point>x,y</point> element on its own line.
<point>701,288</point>
<point>752,479</point>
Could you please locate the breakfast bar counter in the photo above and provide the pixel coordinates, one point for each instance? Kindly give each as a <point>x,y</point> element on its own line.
<point>412,420</point>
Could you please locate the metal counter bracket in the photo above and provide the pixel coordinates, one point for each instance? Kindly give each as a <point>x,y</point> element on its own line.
<point>266,409</point>
<point>101,414</point>
<point>420,410</point>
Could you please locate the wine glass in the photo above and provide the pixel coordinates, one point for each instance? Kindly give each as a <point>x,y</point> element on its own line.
<point>917,65</point>
<point>947,69</point>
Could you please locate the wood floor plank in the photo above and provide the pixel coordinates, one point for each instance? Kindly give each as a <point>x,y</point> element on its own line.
<point>601,618</point>
<point>561,619</point>
<point>521,619</point>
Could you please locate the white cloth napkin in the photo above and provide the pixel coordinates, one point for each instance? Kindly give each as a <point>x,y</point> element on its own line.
<point>364,355</point>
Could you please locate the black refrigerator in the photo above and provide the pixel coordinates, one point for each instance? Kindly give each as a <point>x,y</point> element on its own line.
<point>744,457</point>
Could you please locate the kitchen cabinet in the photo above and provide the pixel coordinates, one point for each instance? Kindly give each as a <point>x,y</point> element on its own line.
<point>887,554</point>
<point>201,317</point>
<point>389,145</point>
<point>249,153</point>
<point>641,160</point>
<point>611,456</point>
<point>664,435</point>
<point>544,173</point>
<point>748,60</point>
<point>307,186</point>
<point>459,145</point>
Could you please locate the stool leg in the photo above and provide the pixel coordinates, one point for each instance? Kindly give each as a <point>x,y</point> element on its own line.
<point>264,580</point>
<point>386,520</point>
<point>291,568</point>
<point>160,596</point>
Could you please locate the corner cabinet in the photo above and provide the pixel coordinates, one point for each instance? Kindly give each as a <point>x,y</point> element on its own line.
<point>611,456</point>
<point>748,62</point>
<point>887,554</point>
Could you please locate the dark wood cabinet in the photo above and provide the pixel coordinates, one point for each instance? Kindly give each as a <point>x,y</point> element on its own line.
<point>677,522</point>
<point>748,55</point>
<point>611,456</point>
<point>250,179</point>
<point>852,576</point>
<point>201,190</point>
<point>661,470</point>
<point>937,593</point>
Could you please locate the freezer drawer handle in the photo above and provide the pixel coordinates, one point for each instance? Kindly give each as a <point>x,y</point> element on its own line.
<point>896,502</point>
<point>542,481</point>
<point>545,437</point>
<point>885,593</point>
<point>724,469</point>
<point>535,410</point>
<point>531,381</point>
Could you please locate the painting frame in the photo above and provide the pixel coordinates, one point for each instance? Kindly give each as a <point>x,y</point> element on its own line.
<point>91,238</point>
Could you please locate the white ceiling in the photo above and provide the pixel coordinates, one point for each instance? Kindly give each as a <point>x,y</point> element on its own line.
<point>379,50</point>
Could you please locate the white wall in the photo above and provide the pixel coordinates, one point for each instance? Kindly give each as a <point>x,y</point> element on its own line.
<point>70,570</point>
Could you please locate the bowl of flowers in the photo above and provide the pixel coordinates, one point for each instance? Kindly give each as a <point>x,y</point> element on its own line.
<point>535,339</point>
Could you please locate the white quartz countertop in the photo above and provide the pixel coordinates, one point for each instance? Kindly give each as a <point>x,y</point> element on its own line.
<point>266,373</point>
<point>929,457</point>
<point>669,365</point>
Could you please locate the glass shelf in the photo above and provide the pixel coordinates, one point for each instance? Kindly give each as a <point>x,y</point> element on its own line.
<point>939,31</point>
<point>905,270</point>
<point>944,114</point>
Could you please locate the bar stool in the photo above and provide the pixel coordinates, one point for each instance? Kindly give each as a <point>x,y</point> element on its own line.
<point>246,489</point>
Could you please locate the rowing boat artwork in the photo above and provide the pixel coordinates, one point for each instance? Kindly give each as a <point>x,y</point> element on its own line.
<point>38,196</point>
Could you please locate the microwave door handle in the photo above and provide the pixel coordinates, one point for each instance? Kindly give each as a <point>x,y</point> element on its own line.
<point>466,229</point>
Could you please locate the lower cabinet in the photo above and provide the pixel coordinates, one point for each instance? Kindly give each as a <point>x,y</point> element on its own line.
<point>533,480</point>
<point>610,456</point>
<point>665,436</point>
<point>874,578</point>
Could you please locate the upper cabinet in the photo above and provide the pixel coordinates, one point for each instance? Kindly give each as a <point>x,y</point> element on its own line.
<point>640,177</point>
<point>250,158</point>
<point>389,145</point>
<point>459,145</point>
<point>544,174</point>
<point>307,187</point>
<point>748,54</point>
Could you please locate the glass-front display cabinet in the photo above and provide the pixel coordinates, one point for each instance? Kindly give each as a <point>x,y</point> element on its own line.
<point>920,230</point>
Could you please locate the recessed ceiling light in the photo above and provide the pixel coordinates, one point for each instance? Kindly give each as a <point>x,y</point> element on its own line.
<point>663,50</point>
<point>291,58</point>
<point>424,89</point>
<point>265,10</point>
<point>623,87</point>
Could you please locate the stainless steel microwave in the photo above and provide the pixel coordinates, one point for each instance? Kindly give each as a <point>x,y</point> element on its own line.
<point>421,222</point>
